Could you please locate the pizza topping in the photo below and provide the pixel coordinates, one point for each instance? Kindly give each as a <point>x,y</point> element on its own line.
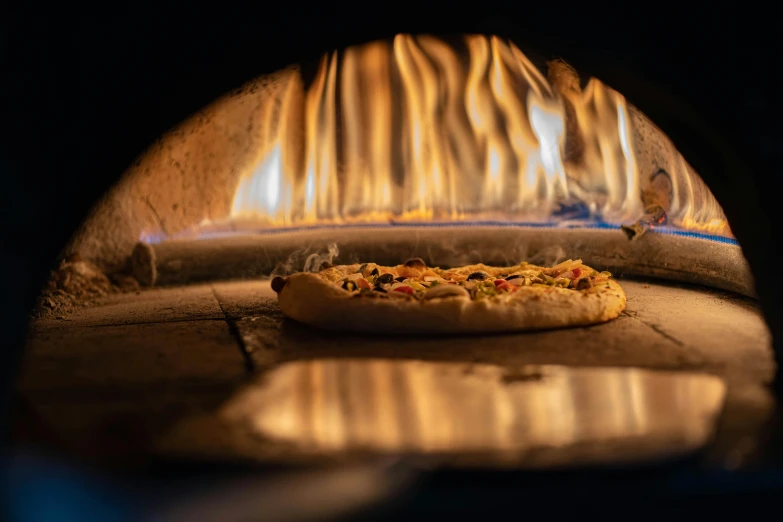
<point>402,291</point>
<point>278,283</point>
<point>385,279</point>
<point>415,280</point>
<point>565,266</point>
<point>434,279</point>
<point>483,291</point>
<point>415,262</point>
<point>583,284</point>
<point>371,293</point>
<point>418,286</point>
<point>439,291</point>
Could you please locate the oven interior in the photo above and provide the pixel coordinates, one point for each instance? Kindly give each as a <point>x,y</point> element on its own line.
<point>158,343</point>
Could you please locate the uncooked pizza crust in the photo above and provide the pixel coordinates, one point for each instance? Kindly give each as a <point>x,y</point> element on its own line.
<point>320,300</point>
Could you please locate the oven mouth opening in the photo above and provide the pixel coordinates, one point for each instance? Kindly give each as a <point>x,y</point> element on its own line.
<point>202,248</point>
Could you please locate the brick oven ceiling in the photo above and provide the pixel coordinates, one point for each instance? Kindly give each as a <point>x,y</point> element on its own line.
<point>94,93</point>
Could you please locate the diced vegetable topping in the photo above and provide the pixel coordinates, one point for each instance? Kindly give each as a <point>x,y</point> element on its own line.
<point>414,279</point>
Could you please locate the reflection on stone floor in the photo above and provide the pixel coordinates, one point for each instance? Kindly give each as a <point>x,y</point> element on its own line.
<point>404,406</point>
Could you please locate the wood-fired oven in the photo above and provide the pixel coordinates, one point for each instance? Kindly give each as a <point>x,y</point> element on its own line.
<point>156,340</point>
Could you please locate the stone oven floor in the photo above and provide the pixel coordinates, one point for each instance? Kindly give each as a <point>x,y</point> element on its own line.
<point>109,382</point>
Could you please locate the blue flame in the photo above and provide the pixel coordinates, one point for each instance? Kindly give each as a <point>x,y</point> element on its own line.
<point>152,238</point>
<point>667,230</point>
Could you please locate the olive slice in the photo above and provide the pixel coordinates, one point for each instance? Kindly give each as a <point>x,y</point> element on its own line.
<point>385,279</point>
<point>478,276</point>
<point>415,262</point>
<point>583,284</point>
<point>278,283</point>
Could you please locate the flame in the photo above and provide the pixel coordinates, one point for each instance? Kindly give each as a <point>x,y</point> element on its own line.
<point>415,129</point>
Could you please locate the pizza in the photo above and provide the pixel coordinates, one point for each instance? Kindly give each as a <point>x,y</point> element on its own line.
<point>413,298</point>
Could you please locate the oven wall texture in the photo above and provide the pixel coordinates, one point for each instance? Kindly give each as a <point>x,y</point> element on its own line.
<point>188,175</point>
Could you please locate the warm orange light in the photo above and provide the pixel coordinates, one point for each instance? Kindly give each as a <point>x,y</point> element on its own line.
<point>416,130</point>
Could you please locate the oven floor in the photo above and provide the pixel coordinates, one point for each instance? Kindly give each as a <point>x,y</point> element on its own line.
<point>114,383</point>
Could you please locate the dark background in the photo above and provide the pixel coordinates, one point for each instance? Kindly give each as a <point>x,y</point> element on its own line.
<point>84,93</point>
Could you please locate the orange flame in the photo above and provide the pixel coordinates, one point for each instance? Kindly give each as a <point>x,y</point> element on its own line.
<point>414,129</point>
